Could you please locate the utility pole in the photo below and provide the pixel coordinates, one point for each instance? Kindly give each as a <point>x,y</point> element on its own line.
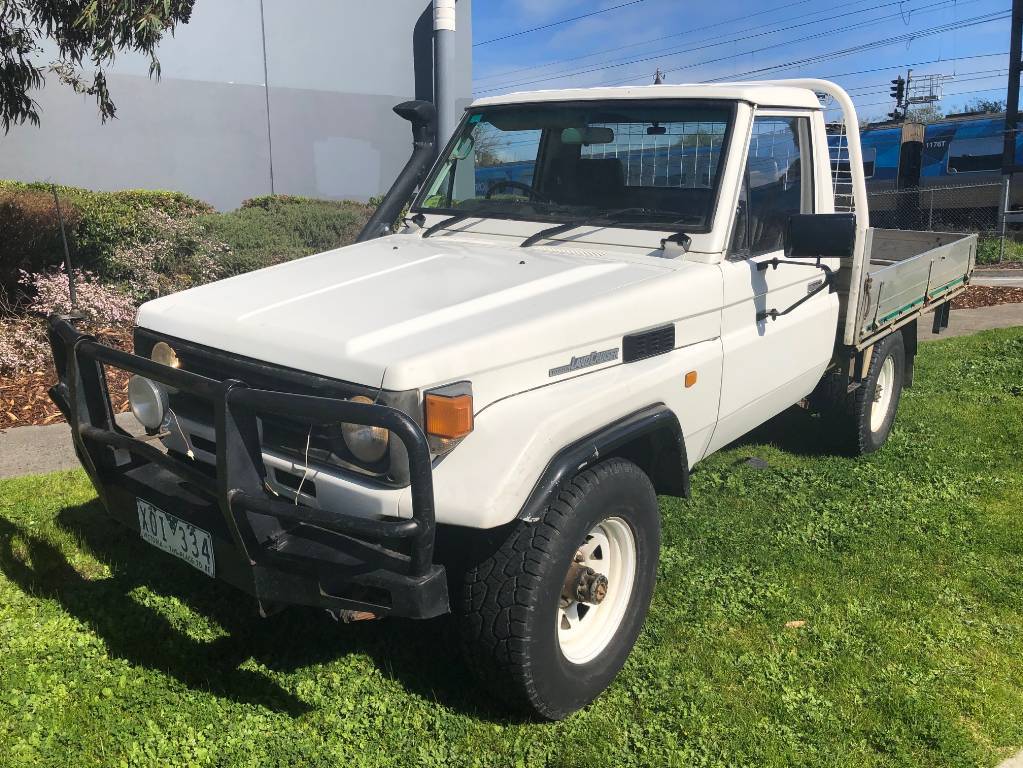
<point>658,77</point>
<point>1012,96</point>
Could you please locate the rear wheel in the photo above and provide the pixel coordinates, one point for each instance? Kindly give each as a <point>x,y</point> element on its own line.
<point>863,419</point>
<point>550,617</point>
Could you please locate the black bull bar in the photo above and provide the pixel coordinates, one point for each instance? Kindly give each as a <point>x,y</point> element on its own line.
<point>279,552</point>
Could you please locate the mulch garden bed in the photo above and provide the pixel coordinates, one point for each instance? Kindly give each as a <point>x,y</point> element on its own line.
<point>987,296</point>
<point>24,402</point>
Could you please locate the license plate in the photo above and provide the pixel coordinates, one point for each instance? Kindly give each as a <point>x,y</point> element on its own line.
<point>176,536</point>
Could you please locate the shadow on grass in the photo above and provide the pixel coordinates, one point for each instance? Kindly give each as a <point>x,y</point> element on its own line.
<point>422,656</point>
<point>799,432</point>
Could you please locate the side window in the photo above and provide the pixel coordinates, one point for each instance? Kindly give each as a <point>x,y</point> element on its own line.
<point>983,153</point>
<point>778,183</point>
<point>869,161</point>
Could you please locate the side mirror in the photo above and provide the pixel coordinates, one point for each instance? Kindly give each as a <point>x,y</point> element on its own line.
<point>820,235</point>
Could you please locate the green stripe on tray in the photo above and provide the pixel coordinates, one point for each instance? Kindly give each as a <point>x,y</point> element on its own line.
<point>947,285</point>
<point>930,295</point>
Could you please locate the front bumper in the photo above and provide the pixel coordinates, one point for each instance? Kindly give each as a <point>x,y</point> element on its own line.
<point>279,552</point>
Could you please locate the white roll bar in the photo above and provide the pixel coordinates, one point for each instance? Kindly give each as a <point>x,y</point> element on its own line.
<point>859,185</point>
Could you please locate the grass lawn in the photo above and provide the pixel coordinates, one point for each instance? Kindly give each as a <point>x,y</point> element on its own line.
<point>904,566</point>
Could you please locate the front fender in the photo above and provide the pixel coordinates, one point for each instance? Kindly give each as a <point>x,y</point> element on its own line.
<point>489,478</point>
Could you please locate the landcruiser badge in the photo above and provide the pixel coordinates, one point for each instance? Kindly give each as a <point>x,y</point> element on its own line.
<point>594,358</point>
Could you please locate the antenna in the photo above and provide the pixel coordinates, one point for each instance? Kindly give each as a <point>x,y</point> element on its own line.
<point>658,77</point>
<point>72,294</point>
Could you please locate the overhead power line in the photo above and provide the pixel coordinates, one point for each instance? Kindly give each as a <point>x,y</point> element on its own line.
<point>946,96</point>
<point>908,37</point>
<point>597,68</point>
<point>875,89</point>
<point>895,67</point>
<point>770,28</point>
<point>620,48</point>
<point>556,23</point>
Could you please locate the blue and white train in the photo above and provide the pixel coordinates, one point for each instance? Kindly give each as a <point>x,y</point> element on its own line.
<point>956,164</point>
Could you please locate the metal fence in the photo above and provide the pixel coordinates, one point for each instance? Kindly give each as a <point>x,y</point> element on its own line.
<point>971,208</point>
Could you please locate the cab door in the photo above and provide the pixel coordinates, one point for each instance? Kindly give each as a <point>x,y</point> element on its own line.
<point>771,364</point>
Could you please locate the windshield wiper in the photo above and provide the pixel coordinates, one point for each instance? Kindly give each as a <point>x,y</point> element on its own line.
<point>443,223</point>
<point>477,213</point>
<point>607,217</point>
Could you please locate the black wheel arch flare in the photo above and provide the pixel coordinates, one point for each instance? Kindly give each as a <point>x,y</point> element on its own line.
<point>650,437</point>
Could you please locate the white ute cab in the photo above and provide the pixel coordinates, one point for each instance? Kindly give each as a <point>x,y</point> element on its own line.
<point>474,410</point>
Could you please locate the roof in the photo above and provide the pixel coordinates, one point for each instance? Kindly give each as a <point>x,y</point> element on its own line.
<point>774,93</point>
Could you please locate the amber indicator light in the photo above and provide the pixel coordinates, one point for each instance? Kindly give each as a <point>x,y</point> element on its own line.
<point>448,417</point>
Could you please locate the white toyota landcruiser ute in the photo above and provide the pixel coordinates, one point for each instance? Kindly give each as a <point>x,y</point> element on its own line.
<point>473,410</point>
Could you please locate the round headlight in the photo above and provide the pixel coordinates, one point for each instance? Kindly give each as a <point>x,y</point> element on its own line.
<point>148,401</point>
<point>164,354</point>
<point>367,444</point>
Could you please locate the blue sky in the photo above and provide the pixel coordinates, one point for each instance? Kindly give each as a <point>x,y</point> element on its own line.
<point>694,42</point>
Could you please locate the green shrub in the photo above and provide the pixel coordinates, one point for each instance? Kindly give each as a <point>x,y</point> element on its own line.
<point>97,223</point>
<point>268,230</point>
<point>155,241</point>
<point>30,234</point>
<point>988,250</point>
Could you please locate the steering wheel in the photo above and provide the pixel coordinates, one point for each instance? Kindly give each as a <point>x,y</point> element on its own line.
<point>531,193</point>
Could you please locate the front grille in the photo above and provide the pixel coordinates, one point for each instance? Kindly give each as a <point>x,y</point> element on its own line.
<point>638,346</point>
<point>326,448</point>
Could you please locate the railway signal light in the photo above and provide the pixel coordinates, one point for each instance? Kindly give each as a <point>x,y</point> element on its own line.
<point>898,90</point>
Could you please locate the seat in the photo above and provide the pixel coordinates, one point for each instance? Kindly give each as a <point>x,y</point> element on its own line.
<point>600,182</point>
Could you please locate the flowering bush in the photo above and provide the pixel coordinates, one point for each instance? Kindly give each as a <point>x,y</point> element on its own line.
<point>179,255</point>
<point>99,303</point>
<point>23,345</point>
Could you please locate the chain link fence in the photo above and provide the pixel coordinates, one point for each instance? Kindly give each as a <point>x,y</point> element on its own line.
<point>972,208</point>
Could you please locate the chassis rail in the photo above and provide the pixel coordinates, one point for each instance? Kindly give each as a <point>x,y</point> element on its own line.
<point>281,552</point>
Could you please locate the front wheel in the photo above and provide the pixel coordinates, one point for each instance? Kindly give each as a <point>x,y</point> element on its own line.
<point>550,617</point>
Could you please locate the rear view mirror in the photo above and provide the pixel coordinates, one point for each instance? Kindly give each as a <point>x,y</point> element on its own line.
<point>820,235</point>
<point>588,135</point>
<point>463,147</point>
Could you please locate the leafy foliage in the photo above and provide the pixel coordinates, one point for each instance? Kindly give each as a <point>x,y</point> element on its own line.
<point>989,249</point>
<point>30,233</point>
<point>97,223</point>
<point>87,34</point>
<point>268,230</point>
<point>171,254</point>
<point>903,568</point>
<point>137,245</point>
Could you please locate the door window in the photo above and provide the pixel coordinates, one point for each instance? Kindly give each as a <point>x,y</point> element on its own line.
<point>777,184</point>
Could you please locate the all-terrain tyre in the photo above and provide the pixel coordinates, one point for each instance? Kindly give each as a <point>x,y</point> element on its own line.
<point>527,642</point>
<point>861,420</point>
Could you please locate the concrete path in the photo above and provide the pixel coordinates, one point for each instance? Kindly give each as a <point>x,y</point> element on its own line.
<point>963,322</point>
<point>35,450</point>
<point>1000,278</point>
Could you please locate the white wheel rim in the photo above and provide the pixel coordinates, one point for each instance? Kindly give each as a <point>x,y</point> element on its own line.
<point>882,394</point>
<point>584,630</point>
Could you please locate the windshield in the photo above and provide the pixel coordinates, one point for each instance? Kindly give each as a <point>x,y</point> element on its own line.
<point>660,161</point>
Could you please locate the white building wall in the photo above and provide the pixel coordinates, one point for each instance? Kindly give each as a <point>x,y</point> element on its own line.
<point>335,68</point>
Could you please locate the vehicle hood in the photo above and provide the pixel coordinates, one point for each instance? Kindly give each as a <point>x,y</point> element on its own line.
<point>404,312</point>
